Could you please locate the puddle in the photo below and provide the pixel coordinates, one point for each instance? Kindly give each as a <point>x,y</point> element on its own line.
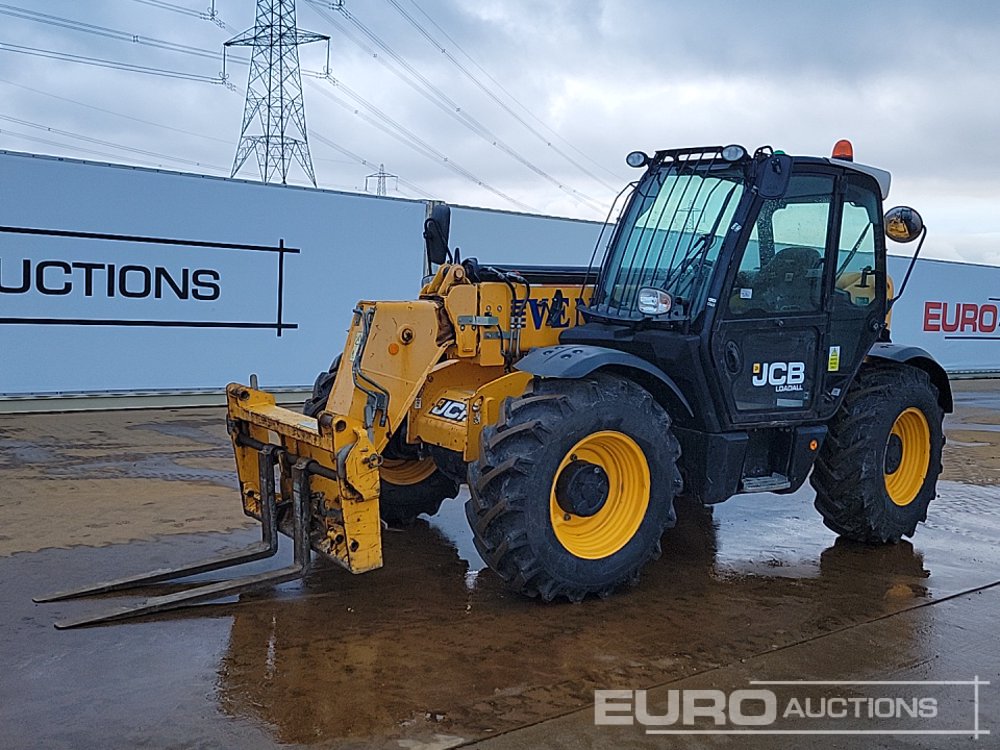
<point>340,659</point>
<point>972,426</point>
<point>432,648</point>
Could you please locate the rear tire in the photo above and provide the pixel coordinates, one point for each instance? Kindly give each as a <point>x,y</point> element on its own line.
<point>545,441</point>
<point>410,484</point>
<point>877,470</point>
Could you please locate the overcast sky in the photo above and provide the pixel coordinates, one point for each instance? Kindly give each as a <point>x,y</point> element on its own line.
<point>914,85</point>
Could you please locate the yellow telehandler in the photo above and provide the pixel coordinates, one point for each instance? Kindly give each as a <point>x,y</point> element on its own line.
<point>734,339</point>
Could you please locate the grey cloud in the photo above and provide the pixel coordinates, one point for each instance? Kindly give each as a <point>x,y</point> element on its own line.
<point>913,84</point>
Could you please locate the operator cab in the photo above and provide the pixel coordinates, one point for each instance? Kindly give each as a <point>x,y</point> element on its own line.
<point>770,216</point>
<point>757,284</point>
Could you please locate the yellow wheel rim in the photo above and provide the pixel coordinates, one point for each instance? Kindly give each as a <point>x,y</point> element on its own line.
<point>405,473</point>
<point>611,528</point>
<point>904,482</point>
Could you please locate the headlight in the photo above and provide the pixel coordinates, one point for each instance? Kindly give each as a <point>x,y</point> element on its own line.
<point>733,153</point>
<point>654,301</point>
<point>637,159</point>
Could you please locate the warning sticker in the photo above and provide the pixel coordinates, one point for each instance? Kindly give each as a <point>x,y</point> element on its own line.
<point>833,359</point>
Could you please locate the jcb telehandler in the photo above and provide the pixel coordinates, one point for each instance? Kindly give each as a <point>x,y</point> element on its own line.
<point>735,339</point>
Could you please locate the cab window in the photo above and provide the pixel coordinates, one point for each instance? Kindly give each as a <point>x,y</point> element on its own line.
<point>859,227</point>
<point>782,266</point>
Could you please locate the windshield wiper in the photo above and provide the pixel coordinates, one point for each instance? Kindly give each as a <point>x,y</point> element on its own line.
<point>707,240</point>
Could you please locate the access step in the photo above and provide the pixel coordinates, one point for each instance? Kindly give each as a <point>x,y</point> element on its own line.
<point>772,483</point>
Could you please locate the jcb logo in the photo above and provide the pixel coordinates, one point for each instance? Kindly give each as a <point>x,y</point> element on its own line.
<point>789,374</point>
<point>454,411</point>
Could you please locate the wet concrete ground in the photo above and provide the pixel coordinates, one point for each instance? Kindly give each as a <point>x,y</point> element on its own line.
<point>431,652</point>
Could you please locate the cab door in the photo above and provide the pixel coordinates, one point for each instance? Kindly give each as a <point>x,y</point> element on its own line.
<point>859,287</point>
<point>768,344</point>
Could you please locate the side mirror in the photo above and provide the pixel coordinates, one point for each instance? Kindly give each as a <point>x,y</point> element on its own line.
<point>903,224</point>
<point>774,172</point>
<point>436,229</point>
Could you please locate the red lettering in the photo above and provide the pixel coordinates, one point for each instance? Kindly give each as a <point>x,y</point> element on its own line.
<point>970,314</point>
<point>950,326</point>
<point>932,316</point>
<point>987,318</point>
<point>950,317</point>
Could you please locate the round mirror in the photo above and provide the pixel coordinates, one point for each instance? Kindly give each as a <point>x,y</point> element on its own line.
<point>637,159</point>
<point>903,224</point>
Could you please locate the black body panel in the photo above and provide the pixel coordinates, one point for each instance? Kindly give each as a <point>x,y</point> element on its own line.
<point>711,464</point>
<point>673,353</point>
<point>914,355</point>
<point>578,361</point>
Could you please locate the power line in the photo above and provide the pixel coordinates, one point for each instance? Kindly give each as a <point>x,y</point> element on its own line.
<point>113,112</point>
<point>513,98</point>
<point>83,149</point>
<point>392,128</point>
<point>492,95</point>
<point>99,142</point>
<point>448,105</point>
<point>440,99</point>
<point>111,64</point>
<point>352,157</point>
<point>173,7</point>
<point>71,147</point>
<point>210,15</point>
<point>68,23</point>
<point>365,162</point>
<point>407,136</point>
<point>105,31</point>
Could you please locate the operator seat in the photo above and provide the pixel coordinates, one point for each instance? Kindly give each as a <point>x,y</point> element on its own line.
<point>791,280</point>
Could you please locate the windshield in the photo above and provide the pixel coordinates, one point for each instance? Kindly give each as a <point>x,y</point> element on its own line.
<point>670,236</point>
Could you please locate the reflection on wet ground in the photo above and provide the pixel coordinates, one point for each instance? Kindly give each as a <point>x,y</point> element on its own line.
<point>413,651</point>
<point>431,649</point>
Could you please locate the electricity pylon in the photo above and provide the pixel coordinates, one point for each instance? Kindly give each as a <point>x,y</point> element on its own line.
<point>274,93</point>
<point>381,177</point>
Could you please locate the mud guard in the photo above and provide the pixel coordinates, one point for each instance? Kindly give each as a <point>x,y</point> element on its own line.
<point>575,361</point>
<point>917,357</point>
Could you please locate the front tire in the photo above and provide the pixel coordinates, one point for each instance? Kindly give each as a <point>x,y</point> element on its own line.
<point>410,484</point>
<point>411,487</point>
<point>877,471</point>
<point>574,487</point>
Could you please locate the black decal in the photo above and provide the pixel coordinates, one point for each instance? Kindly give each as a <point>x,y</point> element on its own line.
<point>25,279</point>
<point>539,309</point>
<point>123,282</point>
<point>202,284</point>
<point>213,290</point>
<point>557,311</point>
<point>163,274</point>
<point>88,276</point>
<point>40,269</point>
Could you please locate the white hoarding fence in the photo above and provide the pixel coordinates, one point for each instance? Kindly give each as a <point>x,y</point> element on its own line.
<point>951,310</point>
<point>70,278</point>
<point>118,279</point>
